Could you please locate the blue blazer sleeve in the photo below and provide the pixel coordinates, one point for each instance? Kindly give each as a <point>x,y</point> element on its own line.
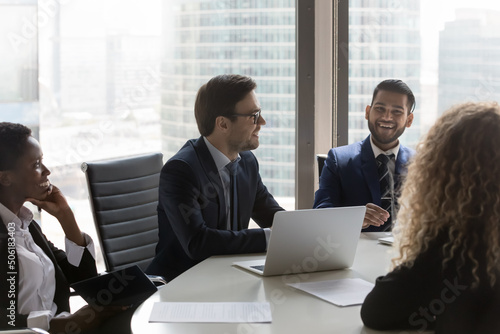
<point>330,188</point>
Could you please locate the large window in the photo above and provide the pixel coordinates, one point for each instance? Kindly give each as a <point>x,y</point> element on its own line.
<point>99,91</point>
<point>18,21</point>
<point>117,78</point>
<point>254,38</point>
<point>19,59</point>
<point>446,51</point>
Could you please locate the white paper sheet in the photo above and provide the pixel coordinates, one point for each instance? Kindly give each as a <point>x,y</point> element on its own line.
<point>211,312</point>
<point>342,292</point>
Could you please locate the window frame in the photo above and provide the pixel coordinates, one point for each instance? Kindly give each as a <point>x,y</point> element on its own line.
<point>322,89</point>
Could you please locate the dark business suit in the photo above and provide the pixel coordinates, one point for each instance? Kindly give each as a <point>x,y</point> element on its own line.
<point>192,210</point>
<point>65,273</point>
<point>350,177</point>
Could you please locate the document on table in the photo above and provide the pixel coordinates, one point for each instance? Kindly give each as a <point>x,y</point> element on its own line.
<point>211,312</point>
<point>342,292</point>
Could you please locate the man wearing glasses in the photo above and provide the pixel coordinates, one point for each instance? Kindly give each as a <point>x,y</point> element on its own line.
<point>211,188</point>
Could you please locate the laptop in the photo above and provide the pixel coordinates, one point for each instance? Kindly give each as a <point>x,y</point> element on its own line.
<point>309,241</point>
<point>124,287</point>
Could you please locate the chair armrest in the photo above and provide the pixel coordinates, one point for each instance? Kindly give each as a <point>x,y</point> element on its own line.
<point>157,280</point>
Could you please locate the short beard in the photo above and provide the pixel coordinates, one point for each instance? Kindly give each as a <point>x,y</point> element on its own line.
<point>242,147</point>
<point>385,141</point>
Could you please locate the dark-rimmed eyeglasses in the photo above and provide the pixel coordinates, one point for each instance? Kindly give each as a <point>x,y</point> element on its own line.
<point>255,116</point>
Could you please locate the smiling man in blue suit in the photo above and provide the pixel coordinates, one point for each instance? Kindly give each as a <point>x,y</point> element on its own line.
<point>352,174</point>
<point>211,188</point>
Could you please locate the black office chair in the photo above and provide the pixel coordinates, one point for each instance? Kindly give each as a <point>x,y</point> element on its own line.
<point>123,195</point>
<point>320,158</point>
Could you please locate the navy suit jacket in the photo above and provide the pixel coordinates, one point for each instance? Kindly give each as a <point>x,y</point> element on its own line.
<point>192,211</point>
<point>65,273</point>
<point>350,177</point>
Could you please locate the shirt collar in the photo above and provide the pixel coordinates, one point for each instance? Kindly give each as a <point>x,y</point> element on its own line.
<point>377,151</point>
<point>219,158</point>
<point>22,221</point>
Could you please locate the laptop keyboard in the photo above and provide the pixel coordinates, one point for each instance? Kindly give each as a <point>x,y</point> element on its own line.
<point>260,268</point>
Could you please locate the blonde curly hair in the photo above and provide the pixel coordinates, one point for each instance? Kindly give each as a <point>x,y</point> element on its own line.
<point>453,187</point>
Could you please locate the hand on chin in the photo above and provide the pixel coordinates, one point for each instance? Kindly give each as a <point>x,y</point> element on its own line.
<point>52,201</point>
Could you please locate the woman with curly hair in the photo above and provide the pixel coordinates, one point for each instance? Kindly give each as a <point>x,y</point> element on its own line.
<point>447,275</point>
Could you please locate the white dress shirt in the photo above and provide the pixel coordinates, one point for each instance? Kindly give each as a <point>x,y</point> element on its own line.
<point>36,271</point>
<point>391,165</point>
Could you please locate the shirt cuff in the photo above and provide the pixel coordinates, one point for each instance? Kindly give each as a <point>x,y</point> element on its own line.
<point>74,252</point>
<point>267,232</point>
<point>39,319</point>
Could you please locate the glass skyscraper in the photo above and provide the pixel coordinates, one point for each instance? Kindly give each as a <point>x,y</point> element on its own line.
<point>203,39</point>
<point>469,58</point>
<point>384,43</point>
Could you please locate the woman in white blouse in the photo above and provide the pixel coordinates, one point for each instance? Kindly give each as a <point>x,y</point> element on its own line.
<point>37,273</point>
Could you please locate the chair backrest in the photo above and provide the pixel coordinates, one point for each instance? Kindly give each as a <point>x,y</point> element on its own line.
<point>123,196</point>
<point>320,158</point>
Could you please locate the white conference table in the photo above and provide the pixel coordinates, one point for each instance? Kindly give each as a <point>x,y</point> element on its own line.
<point>293,311</point>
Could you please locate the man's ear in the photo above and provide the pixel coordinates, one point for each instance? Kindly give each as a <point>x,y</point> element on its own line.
<point>222,123</point>
<point>5,178</point>
<point>367,112</point>
<point>409,120</point>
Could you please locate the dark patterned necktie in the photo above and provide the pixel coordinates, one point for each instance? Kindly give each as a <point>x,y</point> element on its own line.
<point>386,186</point>
<point>232,167</point>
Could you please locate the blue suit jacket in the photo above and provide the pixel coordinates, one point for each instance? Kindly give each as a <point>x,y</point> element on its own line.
<point>192,211</point>
<point>350,177</point>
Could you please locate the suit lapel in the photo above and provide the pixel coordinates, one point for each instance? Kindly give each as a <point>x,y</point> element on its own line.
<point>401,165</point>
<point>61,297</point>
<point>369,169</point>
<point>401,161</point>
<point>36,234</point>
<point>208,164</point>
